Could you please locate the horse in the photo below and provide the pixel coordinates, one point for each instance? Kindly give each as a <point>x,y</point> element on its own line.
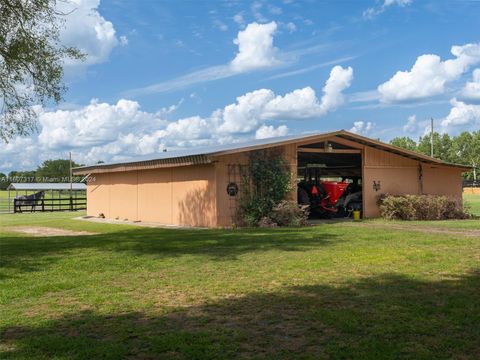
<point>28,200</point>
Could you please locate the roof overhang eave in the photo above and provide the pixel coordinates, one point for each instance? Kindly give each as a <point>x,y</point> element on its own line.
<point>143,165</point>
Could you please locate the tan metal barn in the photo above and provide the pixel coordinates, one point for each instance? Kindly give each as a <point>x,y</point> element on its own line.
<point>189,188</point>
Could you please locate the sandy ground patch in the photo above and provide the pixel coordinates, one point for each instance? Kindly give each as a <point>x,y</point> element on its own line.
<point>48,231</point>
<point>136,223</point>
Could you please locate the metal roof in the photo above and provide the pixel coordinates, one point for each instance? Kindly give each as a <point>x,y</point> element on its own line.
<point>209,150</point>
<point>46,186</point>
<point>202,155</point>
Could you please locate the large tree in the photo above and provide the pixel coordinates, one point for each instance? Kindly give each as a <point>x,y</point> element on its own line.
<point>31,62</point>
<point>405,143</point>
<point>3,181</point>
<point>54,170</point>
<point>442,146</point>
<point>462,149</point>
<point>467,148</point>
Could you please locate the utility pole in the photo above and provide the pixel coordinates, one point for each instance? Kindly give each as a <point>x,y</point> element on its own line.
<point>71,185</point>
<point>431,137</point>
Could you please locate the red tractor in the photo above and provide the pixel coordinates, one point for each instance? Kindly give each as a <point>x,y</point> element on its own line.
<point>329,199</point>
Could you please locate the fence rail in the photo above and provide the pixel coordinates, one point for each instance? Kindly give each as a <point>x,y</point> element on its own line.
<point>471,183</point>
<point>50,204</point>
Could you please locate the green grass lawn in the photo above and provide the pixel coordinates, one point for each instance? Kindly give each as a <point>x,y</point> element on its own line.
<point>339,290</point>
<point>472,201</point>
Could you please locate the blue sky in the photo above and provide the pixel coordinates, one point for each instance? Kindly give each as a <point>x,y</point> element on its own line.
<point>172,74</point>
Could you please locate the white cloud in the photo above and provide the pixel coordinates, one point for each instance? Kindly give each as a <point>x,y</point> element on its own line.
<point>94,124</point>
<point>86,29</point>
<point>255,48</point>
<point>472,88</point>
<point>123,40</point>
<point>411,125</point>
<point>429,75</point>
<point>244,115</point>
<point>265,132</point>
<point>238,18</point>
<point>116,132</point>
<point>263,104</point>
<point>362,128</point>
<point>462,117</point>
<point>291,27</point>
<point>255,51</point>
<point>371,12</point>
<point>340,79</point>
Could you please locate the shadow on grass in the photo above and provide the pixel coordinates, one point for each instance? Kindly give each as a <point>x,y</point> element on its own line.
<point>386,317</point>
<point>32,253</point>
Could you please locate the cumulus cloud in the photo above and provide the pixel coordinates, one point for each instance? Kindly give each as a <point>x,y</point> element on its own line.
<point>362,127</point>
<point>340,79</point>
<point>372,12</point>
<point>461,117</point>
<point>265,132</point>
<point>472,88</point>
<point>429,75</point>
<point>94,124</point>
<point>116,132</point>
<point>263,104</point>
<point>86,29</point>
<point>255,47</point>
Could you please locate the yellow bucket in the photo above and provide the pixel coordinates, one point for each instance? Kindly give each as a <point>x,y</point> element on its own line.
<point>356,215</point>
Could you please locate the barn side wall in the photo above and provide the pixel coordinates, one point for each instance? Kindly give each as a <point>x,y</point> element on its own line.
<point>395,175</point>
<point>398,175</point>
<point>182,196</point>
<point>442,180</point>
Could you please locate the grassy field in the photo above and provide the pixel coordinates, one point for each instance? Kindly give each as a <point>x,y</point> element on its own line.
<point>473,203</point>
<point>345,290</point>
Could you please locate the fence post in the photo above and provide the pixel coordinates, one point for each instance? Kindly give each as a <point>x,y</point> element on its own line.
<point>71,202</point>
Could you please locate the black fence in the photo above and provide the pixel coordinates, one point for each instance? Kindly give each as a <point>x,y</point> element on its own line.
<point>50,204</point>
<point>471,183</point>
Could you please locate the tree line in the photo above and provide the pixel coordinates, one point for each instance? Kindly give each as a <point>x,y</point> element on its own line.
<point>50,171</point>
<point>463,149</point>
